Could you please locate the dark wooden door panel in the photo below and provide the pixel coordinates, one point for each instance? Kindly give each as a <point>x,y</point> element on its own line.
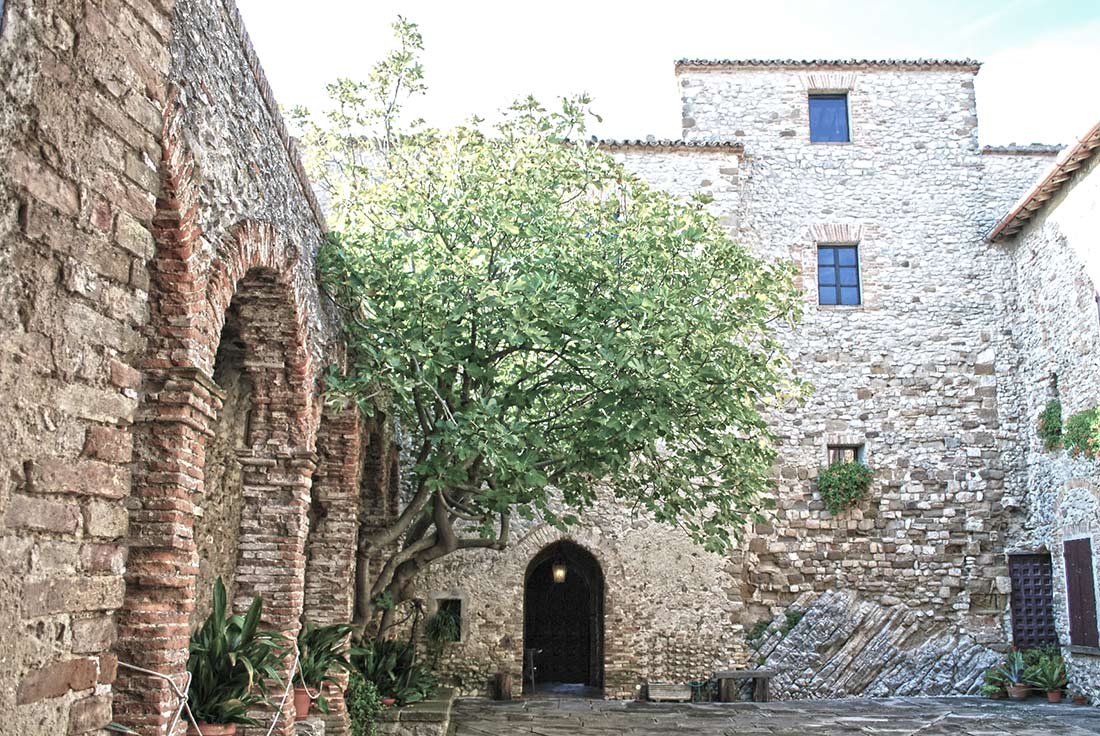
<point>1032,601</point>
<point>1081,593</point>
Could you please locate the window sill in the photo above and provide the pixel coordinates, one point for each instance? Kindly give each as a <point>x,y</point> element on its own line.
<point>841,307</point>
<point>1087,651</point>
<point>830,143</point>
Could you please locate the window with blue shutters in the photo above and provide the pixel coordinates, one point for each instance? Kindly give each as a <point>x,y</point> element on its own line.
<point>838,275</point>
<point>829,119</point>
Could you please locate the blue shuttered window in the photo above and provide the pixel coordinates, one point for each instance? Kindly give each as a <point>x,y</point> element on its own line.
<point>838,274</point>
<point>829,119</point>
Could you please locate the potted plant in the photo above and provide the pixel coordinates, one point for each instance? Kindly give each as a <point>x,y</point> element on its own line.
<point>230,659</point>
<point>1013,670</point>
<point>1049,674</point>
<point>994,684</point>
<point>1079,698</point>
<point>321,652</point>
<point>392,667</point>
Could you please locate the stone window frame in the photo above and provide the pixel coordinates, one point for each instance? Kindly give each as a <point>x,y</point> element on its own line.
<point>831,83</point>
<point>463,598</point>
<point>845,439</point>
<point>833,233</point>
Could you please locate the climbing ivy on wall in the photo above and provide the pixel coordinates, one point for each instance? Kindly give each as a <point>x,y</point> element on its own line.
<point>1081,434</point>
<point>1050,425</point>
<point>843,485</point>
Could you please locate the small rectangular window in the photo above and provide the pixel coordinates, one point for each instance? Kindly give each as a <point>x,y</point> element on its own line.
<point>1081,593</point>
<point>845,454</point>
<point>829,118</point>
<point>451,608</point>
<point>838,275</point>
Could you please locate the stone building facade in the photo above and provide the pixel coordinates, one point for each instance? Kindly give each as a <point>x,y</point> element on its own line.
<point>164,337</point>
<point>909,592</point>
<point>1051,234</point>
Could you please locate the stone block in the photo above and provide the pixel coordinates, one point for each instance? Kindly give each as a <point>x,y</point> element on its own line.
<point>110,444</point>
<point>89,714</point>
<point>71,594</point>
<point>93,635</point>
<point>41,514</point>
<point>82,477</point>
<point>56,679</point>
<point>105,519</point>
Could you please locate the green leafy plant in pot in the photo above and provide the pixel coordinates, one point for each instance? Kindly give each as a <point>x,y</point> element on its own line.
<point>1014,672</point>
<point>994,684</point>
<point>230,660</point>
<point>392,667</point>
<point>322,650</point>
<point>1049,674</point>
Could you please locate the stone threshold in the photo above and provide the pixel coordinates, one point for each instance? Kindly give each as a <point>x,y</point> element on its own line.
<point>430,717</point>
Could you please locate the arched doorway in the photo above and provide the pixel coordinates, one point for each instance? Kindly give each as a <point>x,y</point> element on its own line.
<point>563,619</point>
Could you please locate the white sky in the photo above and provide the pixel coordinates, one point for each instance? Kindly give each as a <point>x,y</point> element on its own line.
<point>1038,82</point>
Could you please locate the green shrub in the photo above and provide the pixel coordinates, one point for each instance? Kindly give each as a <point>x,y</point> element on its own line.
<point>322,651</point>
<point>843,485</point>
<point>994,683</point>
<point>790,620</point>
<point>392,668</point>
<point>1050,425</point>
<point>1049,673</point>
<point>231,661</point>
<point>363,703</point>
<point>1081,433</point>
<point>758,629</point>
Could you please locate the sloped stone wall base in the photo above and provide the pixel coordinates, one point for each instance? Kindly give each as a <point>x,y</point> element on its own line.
<point>843,646</point>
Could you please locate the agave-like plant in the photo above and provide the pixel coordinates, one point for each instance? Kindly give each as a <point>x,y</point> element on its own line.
<point>230,662</point>
<point>321,651</point>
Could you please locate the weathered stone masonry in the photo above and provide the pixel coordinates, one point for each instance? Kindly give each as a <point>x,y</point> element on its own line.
<point>906,594</point>
<point>154,210</point>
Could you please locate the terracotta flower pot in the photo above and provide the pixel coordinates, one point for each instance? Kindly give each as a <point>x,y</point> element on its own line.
<point>1080,700</point>
<point>1054,696</point>
<point>301,703</point>
<point>388,701</point>
<point>1019,692</point>
<point>213,729</point>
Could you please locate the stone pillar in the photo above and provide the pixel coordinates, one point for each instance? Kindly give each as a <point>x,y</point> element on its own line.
<point>271,557</point>
<point>174,424</point>
<point>333,536</point>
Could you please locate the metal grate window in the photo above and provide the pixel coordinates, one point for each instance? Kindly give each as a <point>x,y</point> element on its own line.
<point>838,275</point>
<point>1032,601</point>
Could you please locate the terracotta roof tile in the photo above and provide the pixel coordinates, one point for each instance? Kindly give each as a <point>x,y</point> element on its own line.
<point>1072,158</point>
<point>878,63</point>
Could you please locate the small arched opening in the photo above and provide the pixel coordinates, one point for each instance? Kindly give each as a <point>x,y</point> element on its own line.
<point>563,606</point>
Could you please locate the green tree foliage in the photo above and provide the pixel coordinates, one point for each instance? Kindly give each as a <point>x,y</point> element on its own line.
<point>547,326</point>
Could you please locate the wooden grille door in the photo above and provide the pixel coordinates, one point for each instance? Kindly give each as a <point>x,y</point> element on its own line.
<point>1081,593</point>
<point>1032,601</point>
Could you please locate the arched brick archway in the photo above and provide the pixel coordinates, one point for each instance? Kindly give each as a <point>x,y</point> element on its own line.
<point>251,276</point>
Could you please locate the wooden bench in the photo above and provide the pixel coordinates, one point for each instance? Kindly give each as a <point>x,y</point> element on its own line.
<point>727,680</point>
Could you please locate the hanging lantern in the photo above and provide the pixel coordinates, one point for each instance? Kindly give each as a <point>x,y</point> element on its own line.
<point>559,569</point>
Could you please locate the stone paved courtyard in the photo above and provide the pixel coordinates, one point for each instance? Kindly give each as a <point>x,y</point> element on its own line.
<point>894,716</point>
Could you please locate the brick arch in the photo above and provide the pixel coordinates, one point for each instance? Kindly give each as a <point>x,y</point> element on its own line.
<point>253,272</point>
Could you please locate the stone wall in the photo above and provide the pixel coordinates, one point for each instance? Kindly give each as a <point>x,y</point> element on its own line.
<point>1057,330</point>
<point>671,610</point>
<point>149,196</point>
<point>80,91</point>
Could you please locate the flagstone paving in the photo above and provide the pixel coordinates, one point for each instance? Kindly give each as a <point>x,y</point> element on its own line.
<point>883,717</point>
